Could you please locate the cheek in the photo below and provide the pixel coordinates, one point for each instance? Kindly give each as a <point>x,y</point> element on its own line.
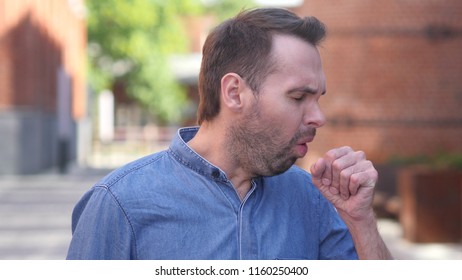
<point>283,123</point>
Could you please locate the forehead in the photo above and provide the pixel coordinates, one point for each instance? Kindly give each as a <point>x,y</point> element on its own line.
<point>296,61</point>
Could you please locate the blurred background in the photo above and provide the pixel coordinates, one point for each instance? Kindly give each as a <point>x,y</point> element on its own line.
<point>86,86</point>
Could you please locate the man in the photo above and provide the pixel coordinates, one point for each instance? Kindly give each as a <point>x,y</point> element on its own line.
<point>228,189</point>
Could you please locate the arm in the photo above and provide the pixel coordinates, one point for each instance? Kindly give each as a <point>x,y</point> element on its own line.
<point>100,229</point>
<point>348,180</point>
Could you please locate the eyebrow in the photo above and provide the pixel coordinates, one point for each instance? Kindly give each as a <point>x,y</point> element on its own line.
<point>305,90</point>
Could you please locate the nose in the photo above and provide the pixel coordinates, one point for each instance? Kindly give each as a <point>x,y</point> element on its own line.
<point>314,116</point>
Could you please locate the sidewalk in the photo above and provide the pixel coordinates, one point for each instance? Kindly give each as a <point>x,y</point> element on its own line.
<point>402,249</point>
<point>35,215</point>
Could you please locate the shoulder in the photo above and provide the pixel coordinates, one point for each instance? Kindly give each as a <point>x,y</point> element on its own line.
<point>142,166</point>
<point>130,183</point>
<point>136,177</point>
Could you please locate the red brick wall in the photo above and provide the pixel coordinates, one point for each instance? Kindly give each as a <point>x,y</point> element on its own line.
<point>394,76</point>
<point>36,37</point>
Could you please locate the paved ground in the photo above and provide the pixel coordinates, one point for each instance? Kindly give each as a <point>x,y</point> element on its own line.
<point>35,218</point>
<point>35,213</point>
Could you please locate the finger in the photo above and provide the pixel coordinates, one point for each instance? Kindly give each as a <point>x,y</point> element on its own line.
<point>342,168</point>
<point>346,189</point>
<point>344,184</point>
<point>317,170</point>
<point>364,179</point>
<point>361,176</point>
<point>353,162</point>
<point>334,159</point>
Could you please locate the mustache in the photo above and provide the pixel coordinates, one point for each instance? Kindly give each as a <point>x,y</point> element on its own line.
<point>309,133</point>
<point>303,135</point>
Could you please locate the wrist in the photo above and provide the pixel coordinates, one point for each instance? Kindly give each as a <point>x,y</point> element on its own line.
<point>363,216</point>
<point>364,225</point>
<point>366,236</point>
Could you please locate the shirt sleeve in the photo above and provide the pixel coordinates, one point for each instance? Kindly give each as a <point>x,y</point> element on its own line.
<point>100,228</point>
<point>336,242</point>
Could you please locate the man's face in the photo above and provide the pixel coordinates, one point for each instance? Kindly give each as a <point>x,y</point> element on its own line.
<point>275,129</point>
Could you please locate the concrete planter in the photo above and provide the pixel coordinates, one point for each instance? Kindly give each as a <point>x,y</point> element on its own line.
<point>431,204</point>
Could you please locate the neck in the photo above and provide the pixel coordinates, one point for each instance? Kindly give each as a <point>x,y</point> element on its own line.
<point>209,143</point>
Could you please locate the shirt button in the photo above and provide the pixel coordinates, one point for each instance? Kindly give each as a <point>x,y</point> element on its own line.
<point>215,173</point>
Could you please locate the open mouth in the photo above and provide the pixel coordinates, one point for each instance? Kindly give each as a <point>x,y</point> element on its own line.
<point>301,149</point>
<point>302,146</point>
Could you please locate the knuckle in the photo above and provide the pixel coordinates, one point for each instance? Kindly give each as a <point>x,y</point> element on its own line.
<point>360,154</point>
<point>374,174</point>
<point>331,154</point>
<point>355,179</point>
<point>345,174</point>
<point>337,165</point>
<point>347,148</point>
<point>370,165</point>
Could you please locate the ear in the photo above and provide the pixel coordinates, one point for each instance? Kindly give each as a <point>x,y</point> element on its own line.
<point>232,86</point>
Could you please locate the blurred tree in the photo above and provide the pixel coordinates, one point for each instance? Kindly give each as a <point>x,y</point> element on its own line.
<point>129,42</point>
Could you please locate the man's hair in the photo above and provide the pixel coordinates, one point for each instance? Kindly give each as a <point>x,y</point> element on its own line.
<point>242,45</point>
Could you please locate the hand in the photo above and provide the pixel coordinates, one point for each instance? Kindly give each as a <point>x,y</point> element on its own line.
<point>347,180</point>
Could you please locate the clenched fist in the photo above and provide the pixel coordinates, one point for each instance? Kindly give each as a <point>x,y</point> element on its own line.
<point>347,179</point>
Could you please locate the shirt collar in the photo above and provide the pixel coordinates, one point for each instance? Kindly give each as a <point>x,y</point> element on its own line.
<point>188,157</point>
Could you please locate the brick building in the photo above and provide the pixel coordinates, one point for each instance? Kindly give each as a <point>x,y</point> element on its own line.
<point>42,87</point>
<point>394,76</point>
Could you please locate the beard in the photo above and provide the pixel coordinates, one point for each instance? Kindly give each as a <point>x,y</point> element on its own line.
<point>261,150</point>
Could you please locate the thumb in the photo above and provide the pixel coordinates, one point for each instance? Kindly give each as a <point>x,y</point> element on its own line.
<point>317,170</point>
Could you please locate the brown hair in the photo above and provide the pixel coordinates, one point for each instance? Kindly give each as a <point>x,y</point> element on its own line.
<point>242,45</point>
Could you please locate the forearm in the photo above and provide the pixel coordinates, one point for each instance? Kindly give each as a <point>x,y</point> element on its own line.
<point>366,237</point>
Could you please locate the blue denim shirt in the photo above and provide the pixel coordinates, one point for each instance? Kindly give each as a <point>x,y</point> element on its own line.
<point>176,205</point>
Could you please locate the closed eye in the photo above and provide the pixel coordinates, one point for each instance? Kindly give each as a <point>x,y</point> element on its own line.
<point>299,97</point>
<point>298,92</point>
